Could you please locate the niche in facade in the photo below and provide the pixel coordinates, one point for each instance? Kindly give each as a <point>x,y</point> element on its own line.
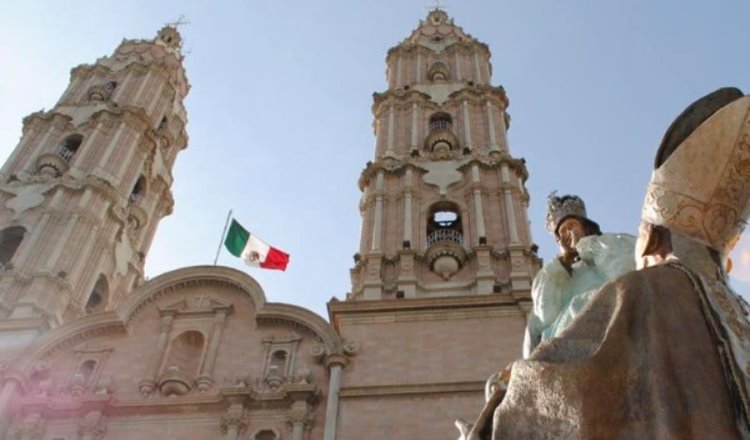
<point>438,72</point>
<point>99,296</point>
<point>183,363</point>
<point>441,140</point>
<point>10,240</point>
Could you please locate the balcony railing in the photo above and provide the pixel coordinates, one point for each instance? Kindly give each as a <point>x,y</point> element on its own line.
<point>440,124</point>
<point>445,235</point>
<point>64,152</point>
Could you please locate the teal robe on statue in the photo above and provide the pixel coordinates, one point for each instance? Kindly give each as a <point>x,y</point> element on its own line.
<point>560,295</point>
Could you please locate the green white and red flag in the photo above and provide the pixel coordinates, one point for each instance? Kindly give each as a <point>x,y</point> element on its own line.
<point>252,250</point>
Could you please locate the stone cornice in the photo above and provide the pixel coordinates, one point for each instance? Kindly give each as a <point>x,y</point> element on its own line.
<point>393,165</point>
<point>398,96</point>
<point>481,93</point>
<point>398,390</point>
<point>456,304</point>
<point>408,47</point>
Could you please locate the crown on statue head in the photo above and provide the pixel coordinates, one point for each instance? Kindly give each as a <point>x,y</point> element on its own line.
<point>560,208</point>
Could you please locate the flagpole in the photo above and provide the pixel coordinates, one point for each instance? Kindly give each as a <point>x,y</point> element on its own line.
<point>221,241</point>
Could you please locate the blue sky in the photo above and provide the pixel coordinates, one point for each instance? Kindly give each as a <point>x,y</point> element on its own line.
<point>280,124</point>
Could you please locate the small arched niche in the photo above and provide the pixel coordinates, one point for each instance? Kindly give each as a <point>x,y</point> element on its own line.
<point>186,352</point>
<point>69,146</point>
<point>87,370</point>
<point>99,296</point>
<point>266,434</point>
<point>438,72</point>
<point>278,362</point>
<point>139,190</point>
<point>10,240</point>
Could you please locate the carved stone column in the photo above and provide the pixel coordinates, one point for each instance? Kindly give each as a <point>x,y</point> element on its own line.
<point>491,127</point>
<point>509,208</point>
<point>148,384</point>
<point>467,124</point>
<point>92,426</point>
<point>335,364</point>
<point>378,217</point>
<point>30,428</point>
<point>205,380</point>
<point>299,419</point>
<point>234,422</point>
<point>8,393</point>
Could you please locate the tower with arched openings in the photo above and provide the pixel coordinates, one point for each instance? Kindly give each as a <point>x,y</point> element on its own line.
<point>86,186</point>
<point>446,259</point>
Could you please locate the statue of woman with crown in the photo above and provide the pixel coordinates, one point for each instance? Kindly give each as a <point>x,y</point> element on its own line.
<point>662,352</point>
<point>588,259</point>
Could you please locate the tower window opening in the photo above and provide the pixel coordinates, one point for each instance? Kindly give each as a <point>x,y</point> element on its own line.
<point>98,298</point>
<point>445,219</point>
<point>10,240</point>
<point>441,121</point>
<point>266,434</point>
<point>444,223</point>
<point>163,123</point>
<point>69,146</point>
<point>139,189</point>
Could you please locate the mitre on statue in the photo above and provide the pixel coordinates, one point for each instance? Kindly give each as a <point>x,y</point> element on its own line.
<point>702,190</point>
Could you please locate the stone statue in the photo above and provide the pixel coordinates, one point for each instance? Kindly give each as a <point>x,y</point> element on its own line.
<point>588,259</point>
<point>662,352</point>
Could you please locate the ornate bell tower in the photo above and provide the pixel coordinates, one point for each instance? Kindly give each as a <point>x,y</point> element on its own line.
<point>444,203</point>
<point>441,283</point>
<point>84,190</point>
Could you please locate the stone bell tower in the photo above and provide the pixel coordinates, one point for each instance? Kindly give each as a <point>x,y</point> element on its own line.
<point>441,282</point>
<point>444,203</point>
<point>84,190</point>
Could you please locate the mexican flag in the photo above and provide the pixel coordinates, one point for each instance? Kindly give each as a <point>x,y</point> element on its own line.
<point>253,250</point>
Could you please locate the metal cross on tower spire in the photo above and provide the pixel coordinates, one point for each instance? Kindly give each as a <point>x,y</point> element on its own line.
<point>179,22</point>
<point>438,6</point>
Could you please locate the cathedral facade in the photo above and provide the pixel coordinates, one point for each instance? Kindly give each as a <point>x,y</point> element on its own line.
<point>91,350</point>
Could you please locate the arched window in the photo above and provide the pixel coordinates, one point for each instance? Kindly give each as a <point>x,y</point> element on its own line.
<point>265,434</point>
<point>70,146</point>
<point>441,121</point>
<point>99,296</point>
<point>444,223</point>
<point>186,352</point>
<point>139,189</point>
<point>10,239</point>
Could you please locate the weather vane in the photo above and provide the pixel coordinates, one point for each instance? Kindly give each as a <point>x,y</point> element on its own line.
<point>180,22</point>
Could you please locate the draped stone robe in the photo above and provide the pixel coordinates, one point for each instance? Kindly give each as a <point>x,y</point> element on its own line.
<point>643,361</point>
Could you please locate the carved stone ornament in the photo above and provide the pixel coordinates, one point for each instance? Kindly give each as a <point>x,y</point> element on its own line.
<point>92,426</point>
<point>703,189</point>
<point>235,418</point>
<point>299,414</point>
<point>30,428</point>
<point>350,348</point>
